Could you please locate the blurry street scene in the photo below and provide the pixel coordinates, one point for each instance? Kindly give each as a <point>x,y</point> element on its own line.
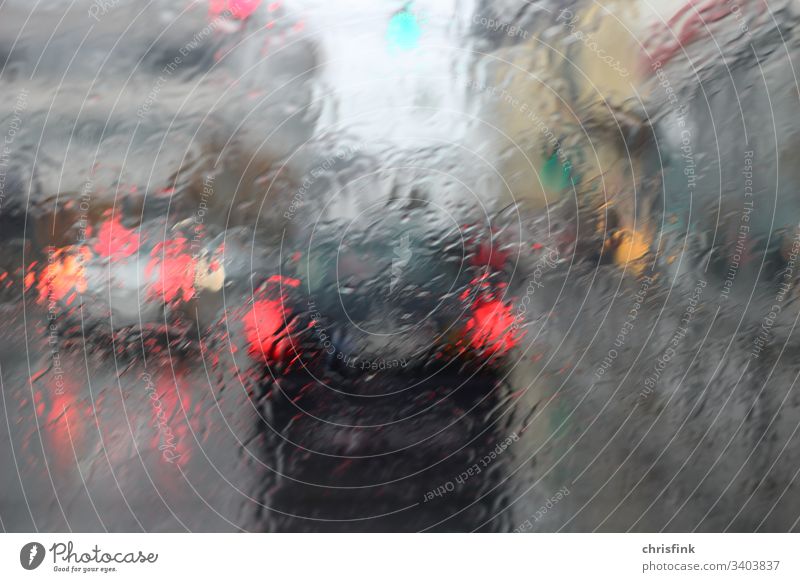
<point>387,265</point>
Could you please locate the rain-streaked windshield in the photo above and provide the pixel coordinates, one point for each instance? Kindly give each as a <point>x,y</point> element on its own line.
<point>394,265</point>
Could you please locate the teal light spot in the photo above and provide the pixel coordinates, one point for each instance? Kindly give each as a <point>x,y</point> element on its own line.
<point>556,173</point>
<point>404,31</point>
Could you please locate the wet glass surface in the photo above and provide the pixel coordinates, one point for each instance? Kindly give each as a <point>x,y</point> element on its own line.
<point>436,265</point>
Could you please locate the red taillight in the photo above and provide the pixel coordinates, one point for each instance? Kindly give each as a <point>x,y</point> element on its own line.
<point>174,268</point>
<point>267,322</point>
<point>491,327</point>
<point>116,241</point>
